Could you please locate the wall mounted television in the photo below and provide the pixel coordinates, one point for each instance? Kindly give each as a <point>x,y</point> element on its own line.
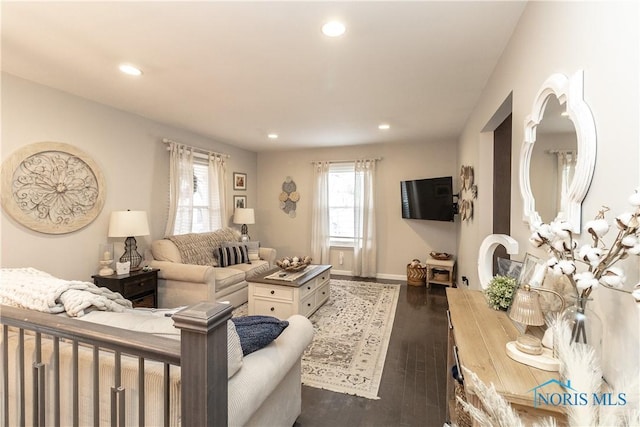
<point>430,199</point>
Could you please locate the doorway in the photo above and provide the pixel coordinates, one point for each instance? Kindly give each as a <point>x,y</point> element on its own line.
<point>501,186</point>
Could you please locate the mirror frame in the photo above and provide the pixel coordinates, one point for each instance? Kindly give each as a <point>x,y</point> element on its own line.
<point>570,91</point>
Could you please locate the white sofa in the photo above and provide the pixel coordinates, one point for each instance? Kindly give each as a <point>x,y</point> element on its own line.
<point>264,388</point>
<point>189,272</point>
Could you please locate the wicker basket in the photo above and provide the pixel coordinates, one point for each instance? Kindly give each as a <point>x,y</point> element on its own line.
<point>416,275</point>
<point>440,275</point>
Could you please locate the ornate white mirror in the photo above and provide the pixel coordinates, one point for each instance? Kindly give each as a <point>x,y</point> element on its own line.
<point>558,152</point>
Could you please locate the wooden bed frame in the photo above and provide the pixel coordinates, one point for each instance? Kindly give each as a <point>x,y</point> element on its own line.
<point>201,354</point>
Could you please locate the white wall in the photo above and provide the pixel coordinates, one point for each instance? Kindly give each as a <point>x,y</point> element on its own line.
<point>399,240</point>
<point>563,37</point>
<point>126,147</point>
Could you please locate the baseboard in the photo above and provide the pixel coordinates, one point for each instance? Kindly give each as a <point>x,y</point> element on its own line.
<point>402,277</point>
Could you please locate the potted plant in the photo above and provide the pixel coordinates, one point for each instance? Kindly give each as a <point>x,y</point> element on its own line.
<point>500,292</point>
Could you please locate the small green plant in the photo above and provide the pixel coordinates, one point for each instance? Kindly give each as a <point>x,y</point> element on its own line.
<point>500,292</point>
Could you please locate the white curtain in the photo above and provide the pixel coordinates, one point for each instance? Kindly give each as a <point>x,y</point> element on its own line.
<point>320,241</point>
<point>217,192</point>
<point>364,250</point>
<point>566,169</point>
<point>180,189</point>
<point>181,192</point>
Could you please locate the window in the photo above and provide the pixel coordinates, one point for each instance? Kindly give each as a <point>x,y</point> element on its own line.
<point>342,182</point>
<point>202,211</point>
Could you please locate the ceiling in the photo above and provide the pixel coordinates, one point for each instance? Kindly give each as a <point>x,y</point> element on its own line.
<point>235,71</point>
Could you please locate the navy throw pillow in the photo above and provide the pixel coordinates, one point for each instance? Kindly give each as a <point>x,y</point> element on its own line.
<point>256,332</point>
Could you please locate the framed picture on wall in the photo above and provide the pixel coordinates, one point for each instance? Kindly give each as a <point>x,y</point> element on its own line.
<point>239,201</point>
<point>239,181</point>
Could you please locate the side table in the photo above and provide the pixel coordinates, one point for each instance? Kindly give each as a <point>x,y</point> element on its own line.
<point>141,287</point>
<point>442,272</point>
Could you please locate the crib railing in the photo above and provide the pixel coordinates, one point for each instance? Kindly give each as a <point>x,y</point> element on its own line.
<point>201,355</point>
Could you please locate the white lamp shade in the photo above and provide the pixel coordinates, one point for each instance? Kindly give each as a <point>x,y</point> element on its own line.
<point>128,224</point>
<point>244,216</point>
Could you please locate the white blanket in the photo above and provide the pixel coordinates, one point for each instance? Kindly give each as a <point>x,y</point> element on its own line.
<point>36,290</point>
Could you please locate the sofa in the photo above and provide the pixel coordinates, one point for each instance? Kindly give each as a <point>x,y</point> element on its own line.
<point>264,386</point>
<point>191,272</point>
<point>263,381</point>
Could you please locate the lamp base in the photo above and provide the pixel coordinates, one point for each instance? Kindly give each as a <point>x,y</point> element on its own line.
<point>131,254</point>
<point>544,361</point>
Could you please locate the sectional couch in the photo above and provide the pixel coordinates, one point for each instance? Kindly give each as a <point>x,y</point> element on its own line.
<point>190,272</point>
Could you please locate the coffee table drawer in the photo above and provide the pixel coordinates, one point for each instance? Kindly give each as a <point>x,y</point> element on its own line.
<point>281,310</point>
<point>307,288</point>
<point>275,292</point>
<point>322,294</point>
<point>308,305</point>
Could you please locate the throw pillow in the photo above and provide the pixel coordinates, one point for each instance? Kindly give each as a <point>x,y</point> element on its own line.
<point>256,332</point>
<point>231,254</point>
<point>253,249</point>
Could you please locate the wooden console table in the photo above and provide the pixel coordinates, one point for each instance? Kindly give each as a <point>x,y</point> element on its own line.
<point>477,338</point>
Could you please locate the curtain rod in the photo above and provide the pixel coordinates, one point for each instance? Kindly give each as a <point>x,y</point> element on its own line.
<point>347,161</point>
<point>561,151</point>
<point>196,149</point>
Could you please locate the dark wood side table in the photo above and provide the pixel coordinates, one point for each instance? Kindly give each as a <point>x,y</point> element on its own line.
<point>141,287</point>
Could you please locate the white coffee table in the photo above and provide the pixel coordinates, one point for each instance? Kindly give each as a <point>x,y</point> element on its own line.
<point>282,298</point>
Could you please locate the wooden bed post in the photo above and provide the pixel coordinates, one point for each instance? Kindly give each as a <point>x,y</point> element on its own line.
<point>204,395</point>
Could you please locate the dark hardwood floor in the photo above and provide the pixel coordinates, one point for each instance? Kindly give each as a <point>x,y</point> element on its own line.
<point>413,386</point>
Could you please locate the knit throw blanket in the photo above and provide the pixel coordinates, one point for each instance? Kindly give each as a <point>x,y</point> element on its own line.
<point>36,290</point>
<point>197,248</point>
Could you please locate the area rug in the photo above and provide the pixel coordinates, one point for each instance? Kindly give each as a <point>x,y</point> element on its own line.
<point>351,338</point>
<point>352,332</point>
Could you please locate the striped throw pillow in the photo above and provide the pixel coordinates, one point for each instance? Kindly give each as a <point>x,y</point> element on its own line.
<point>231,255</point>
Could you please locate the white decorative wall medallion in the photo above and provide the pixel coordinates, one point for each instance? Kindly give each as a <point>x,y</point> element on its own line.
<point>52,187</point>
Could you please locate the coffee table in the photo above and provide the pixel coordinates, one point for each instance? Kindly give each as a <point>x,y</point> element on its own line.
<point>280,294</point>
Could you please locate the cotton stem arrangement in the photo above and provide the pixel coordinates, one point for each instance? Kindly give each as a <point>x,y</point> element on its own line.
<point>566,254</point>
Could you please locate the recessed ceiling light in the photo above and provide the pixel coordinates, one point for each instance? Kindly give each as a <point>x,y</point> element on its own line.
<point>272,136</point>
<point>384,126</point>
<point>333,29</point>
<point>130,69</point>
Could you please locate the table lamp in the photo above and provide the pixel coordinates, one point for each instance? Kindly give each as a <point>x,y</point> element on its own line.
<point>244,216</point>
<point>129,224</point>
<point>528,349</point>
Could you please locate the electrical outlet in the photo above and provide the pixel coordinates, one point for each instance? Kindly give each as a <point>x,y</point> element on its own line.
<point>341,257</point>
<point>465,280</point>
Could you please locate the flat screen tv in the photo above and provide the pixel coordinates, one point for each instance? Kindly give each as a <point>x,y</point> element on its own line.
<point>430,198</point>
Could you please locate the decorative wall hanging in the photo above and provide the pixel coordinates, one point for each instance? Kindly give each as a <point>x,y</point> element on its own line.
<point>52,187</point>
<point>289,197</point>
<point>239,181</point>
<point>468,193</point>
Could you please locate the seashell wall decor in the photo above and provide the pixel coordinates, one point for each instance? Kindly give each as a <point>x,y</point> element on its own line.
<point>289,197</point>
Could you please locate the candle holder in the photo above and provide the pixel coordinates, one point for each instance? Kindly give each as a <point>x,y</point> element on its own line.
<point>105,259</point>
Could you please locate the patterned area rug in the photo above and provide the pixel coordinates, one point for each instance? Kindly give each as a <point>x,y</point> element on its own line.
<point>352,332</point>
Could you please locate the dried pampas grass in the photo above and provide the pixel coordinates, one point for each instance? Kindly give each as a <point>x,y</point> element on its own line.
<point>580,365</point>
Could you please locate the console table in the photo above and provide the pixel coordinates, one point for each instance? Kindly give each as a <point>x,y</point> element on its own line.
<point>282,298</point>
<point>477,338</point>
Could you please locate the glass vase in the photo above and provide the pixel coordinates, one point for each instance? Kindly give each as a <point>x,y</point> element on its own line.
<point>585,324</point>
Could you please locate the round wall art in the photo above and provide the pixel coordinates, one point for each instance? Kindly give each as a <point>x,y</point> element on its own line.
<point>289,197</point>
<point>52,187</point>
